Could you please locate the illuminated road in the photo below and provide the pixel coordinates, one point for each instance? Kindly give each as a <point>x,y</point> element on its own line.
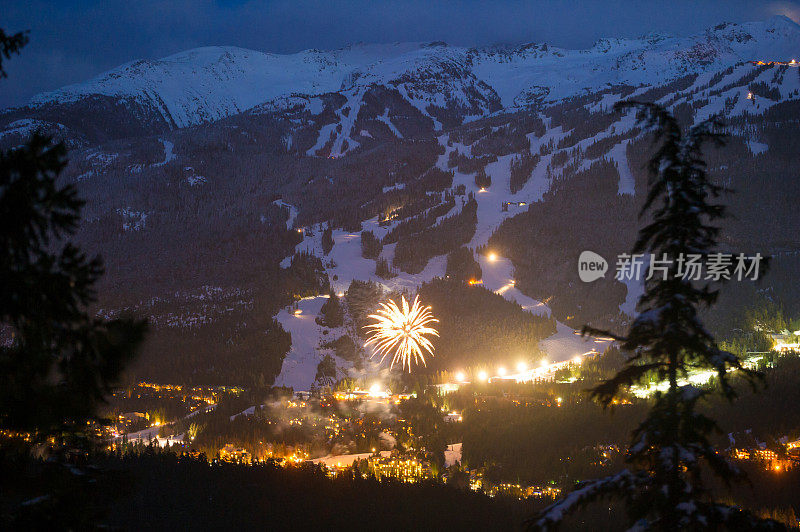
<point>562,348</point>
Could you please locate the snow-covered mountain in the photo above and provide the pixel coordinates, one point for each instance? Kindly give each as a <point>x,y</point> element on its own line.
<point>207,84</point>
<point>221,166</point>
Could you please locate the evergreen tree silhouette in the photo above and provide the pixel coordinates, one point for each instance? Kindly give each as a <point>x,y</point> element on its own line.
<point>662,485</point>
<point>57,362</point>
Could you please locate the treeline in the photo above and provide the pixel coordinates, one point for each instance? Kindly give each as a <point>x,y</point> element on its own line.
<point>540,443</point>
<point>265,431</point>
<point>601,147</point>
<point>479,328</point>
<point>678,85</point>
<point>769,412</point>
<point>401,204</point>
<point>521,169</point>
<point>230,339</point>
<point>167,492</point>
<point>362,298</point>
<point>581,211</point>
<point>500,134</point>
<point>354,192</point>
<point>462,266</point>
<point>243,349</point>
<point>466,164</point>
<point>413,251</point>
<point>420,222</point>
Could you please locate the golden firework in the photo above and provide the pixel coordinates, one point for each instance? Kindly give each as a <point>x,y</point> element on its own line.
<point>402,332</point>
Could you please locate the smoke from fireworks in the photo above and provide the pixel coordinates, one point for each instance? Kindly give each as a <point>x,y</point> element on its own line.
<point>401,332</point>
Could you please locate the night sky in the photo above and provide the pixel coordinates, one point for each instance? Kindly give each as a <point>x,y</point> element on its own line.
<point>74,40</point>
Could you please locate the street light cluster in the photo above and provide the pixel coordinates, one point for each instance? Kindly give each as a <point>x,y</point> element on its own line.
<point>522,367</point>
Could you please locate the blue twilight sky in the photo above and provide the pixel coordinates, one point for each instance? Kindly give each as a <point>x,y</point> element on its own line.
<point>73,40</point>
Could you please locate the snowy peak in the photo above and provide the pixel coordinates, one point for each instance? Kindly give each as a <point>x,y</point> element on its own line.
<point>207,84</point>
<point>777,37</point>
<point>606,45</point>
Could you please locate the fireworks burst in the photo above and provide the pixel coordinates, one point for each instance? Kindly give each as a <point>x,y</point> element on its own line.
<point>402,332</point>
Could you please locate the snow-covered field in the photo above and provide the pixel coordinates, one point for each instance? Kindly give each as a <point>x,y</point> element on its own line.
<point>346,460</point>
<point>452,455</point>
<point>300,365</point>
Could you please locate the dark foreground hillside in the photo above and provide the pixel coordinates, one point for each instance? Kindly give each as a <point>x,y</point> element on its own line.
<point>169,494</point>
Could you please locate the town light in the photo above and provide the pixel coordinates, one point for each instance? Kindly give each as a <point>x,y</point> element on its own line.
<point>576,360</point>
<point>492,257</point>
<point>482,376</point>
<point>543,363</point>
<point>522,366</point>
<point>460,376</point>
<point>375,388</point>
<point>501,371</point>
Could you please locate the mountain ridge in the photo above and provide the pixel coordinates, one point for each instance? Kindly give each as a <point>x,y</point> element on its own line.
<point>209,83</point>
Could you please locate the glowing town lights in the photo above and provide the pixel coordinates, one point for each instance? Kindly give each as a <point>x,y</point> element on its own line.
<point>482,190</point>
<point>492,257</point>
<point>501,371</point>
<point>460,376</point>
<point>298,312</point>
<point>522,366</point>
<point>374,389</point>
<point>299,230</point>
<point>483,376</point>
<point>543,363</point>
<point>558,400</point>
<point>512,282</point>
<point>576,360</point>
<point>401,331</point>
